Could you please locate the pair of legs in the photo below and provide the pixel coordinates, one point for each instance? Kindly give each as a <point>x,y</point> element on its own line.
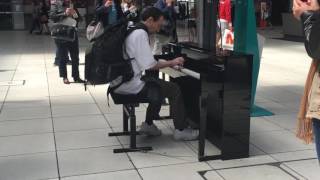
<point>63,48</point>
<point>57,61</point>
<point>154,93</point>
<point>316,132</point>
<point>44,25</point>
<point>35,25</point>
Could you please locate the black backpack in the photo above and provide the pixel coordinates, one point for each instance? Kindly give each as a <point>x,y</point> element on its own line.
<point>104,61</point>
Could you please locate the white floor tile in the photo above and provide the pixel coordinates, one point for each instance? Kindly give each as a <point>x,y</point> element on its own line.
<point>296,155</point>
<point>93,160</point>
<point>84,139</point>
<point>284,121</point>
<point>254,151</point>
<point>278,141</point>
<point>212,175</point>
<point>119,175</point>
<point>260,124</point>
<point>164,153</point>
<point>177,172</point>
<point>264,172</point>
<point>255,160</point>
<point>14,145</point>
<point>36,166</point>
<point>79,123</point>
<point>36,126</point>
<point>25,113</point>
<point>75,110</point>
<point>44,102</point>
<point>72,100</point>
<point>310,169</point>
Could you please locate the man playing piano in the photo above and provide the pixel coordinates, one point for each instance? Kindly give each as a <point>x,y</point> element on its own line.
<point>154,90</point>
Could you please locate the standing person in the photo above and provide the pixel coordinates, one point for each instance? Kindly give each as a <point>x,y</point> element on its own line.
<point>58,13</point>
<point>109,11</point>
<point>225,20</point>
<point>168,30</point>
<point>153,90</point>
<point>35,17</point>
<point>309,114</point>
<point>44,16</point>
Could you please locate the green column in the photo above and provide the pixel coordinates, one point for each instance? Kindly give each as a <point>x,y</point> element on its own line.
<point>246,41</point>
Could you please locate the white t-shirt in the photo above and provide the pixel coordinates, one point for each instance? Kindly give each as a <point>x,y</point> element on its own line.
<point>138,47</point>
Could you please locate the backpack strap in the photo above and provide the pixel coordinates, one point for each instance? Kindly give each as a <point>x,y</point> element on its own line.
<point>137,26</point>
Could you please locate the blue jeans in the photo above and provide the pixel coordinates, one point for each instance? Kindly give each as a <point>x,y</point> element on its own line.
<point>63,48</point>
<point>316,132</point>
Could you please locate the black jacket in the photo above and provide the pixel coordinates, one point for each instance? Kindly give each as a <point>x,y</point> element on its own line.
<point>102,12</point>
<point>311,28</point>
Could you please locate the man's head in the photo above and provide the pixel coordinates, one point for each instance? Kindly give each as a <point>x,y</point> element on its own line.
<point>153,18</point>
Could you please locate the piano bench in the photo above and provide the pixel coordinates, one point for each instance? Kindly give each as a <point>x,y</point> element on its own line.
<point>129,103</point>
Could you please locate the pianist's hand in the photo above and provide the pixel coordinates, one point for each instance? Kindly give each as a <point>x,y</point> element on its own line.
<point>177,62</point>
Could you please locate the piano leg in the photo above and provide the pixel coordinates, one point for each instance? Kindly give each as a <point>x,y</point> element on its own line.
<point>202,130</point>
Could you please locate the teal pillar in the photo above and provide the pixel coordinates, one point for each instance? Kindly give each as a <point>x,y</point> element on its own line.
<point>246,41</point>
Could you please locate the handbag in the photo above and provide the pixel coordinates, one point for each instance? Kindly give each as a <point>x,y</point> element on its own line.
<point>94,30</point>
<point>63,32</point>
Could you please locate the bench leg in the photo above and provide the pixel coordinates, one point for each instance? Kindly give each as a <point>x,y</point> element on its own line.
<point>133,135</point>
<point>137,149</point>
<point>125,119</point>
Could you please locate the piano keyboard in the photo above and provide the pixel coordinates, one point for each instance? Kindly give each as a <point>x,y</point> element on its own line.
<point>175,73</point>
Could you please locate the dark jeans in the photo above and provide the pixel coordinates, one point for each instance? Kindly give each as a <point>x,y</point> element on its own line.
<point>155,92</point>
<point>56,59</point>
<point>35,24</point>
<point>63,48</point>
<point>316,132</point>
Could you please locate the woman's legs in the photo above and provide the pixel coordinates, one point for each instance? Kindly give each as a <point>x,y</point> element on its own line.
<point>316,132</point>
<point>62,56</point>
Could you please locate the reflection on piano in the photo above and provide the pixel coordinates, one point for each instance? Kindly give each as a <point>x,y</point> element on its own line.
<point>217,95</point>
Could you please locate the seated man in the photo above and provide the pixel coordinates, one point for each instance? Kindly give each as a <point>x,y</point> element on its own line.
<point>154,90</point>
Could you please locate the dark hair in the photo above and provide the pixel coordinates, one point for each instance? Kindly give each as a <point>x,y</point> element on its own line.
<point>150,11</point>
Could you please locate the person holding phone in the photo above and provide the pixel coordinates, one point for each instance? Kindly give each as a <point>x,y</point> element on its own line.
<point>109,11</point>
<point>168,31</point>
<point>308,12</point>
<point>58,13</point>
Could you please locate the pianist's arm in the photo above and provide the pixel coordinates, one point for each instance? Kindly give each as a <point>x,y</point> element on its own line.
<point>172,63</point>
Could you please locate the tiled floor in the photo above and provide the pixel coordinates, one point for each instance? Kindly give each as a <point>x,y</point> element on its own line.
<point>49,130</point>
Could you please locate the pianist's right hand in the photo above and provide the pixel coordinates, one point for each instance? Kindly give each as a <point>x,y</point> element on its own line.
<point>177,62</point>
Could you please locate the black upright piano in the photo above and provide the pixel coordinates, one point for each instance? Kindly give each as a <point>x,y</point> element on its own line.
<point>217,95</point>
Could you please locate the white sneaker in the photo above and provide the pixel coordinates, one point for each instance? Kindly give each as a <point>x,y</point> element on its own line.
<point>186,134</point>
<point>150,130</point>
